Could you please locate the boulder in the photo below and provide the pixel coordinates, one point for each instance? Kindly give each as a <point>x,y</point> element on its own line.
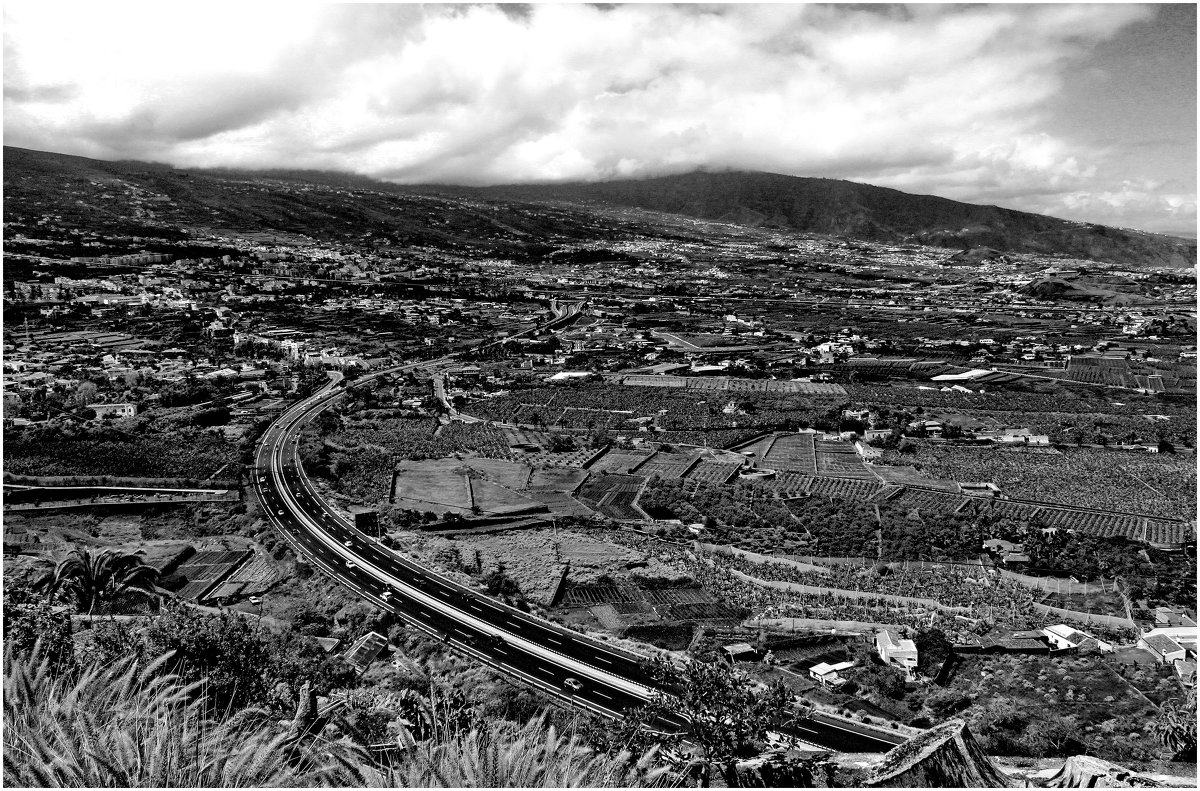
<point>946,756</point>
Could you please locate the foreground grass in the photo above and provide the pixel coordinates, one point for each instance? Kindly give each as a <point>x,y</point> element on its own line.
<point>132,725</point>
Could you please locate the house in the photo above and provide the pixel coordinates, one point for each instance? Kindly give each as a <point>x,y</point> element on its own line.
<point>867,452</point>
<point>113,410</point>
<point>1184,635</point>
<point>896,651</point>
<point>827,674</point>
<point>1171,616</point>
<point>1164,648</point>
<point>1065,638</point>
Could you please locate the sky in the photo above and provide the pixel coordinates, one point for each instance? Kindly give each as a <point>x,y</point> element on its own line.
<point>1086,112</point>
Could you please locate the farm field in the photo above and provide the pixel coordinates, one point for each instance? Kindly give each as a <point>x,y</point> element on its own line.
<point>422,485</point>
<point>1100,705</point>
<point>452,485</point>
<point>422,437</point>
<point>589,406</point>
<point>557,480</point>
<point>197,455</point>
<point>1151,484</point>
<point>840,460</point>
<point>793,452</point>
<point>514,475</point>
<point>491,498</point>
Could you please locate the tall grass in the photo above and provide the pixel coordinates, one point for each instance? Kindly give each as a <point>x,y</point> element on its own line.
<point>131,725</point>
<point>502,754</point>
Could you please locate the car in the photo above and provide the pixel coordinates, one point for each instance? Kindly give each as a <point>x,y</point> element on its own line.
<point>279,512</point>
<point>350,564</point>
<point>386,596</point>
<point>573,684</point>
<point>349,542</point>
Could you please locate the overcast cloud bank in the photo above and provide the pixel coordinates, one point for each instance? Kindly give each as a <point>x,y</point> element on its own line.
<point>949,101</point>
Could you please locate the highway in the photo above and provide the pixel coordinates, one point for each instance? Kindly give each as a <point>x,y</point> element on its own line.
<point>573,668</point>
<point>604,679</point>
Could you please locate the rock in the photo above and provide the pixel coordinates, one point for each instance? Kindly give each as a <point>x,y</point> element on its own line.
<point>943,757</point>
<point>1085,771</point>
<point>306,712</point>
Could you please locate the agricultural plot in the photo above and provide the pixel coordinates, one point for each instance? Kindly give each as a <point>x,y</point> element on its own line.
<point>927,500</point>
<point>574,459</point>
<point>792,452</point>
<point>513,475</point>
<point>204,570</point>
<point>556,480</point>
<point>589,595</point>
<point>789,484</point>
<point>525,438</point>
<point>621,461</point>
<point>667,465</point>
<point>670,596</point>
<point>1089,690</point>
<point>1162,485</point>
<point>703,611</point>
<point>251,579</point>
<point>759,447</point>
<point>438,486</point>
<point>1167,533</point>
<point>147,455</point>
<point>845,487</point>
<point>619,504</point>
<point>840,460</point>
<point>597,487</point>
<point>712,471</point>
<point>910,475</point>
<point>490,498</point>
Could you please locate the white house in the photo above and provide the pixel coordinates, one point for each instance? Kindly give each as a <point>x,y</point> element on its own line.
<point>116,410</point>
<point>827,674</point>
<point>1063,637</point>
<point>896,652</point>
<point>1169,645</point>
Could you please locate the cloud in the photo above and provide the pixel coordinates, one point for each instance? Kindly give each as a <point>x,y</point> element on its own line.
<point>944,100</point>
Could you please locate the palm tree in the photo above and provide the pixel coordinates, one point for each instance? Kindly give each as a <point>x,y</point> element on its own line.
<point>103,577</point>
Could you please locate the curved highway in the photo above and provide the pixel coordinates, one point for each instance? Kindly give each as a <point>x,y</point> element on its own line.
<point>569,666</point>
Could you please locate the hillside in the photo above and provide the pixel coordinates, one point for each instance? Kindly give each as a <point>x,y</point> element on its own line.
<point>161,201</point>
<point>844,208</point>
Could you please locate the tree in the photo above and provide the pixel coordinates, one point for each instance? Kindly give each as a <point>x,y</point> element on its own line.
<point>1175,727</point>
<point>728,718</point>
<point>100,579</point>
<point>932,650</point>
<point>30,620</point>
<point>85,393</point>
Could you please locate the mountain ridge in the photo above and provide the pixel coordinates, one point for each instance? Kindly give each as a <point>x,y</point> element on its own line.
<point>863,211</point>
<point>206,196</point>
